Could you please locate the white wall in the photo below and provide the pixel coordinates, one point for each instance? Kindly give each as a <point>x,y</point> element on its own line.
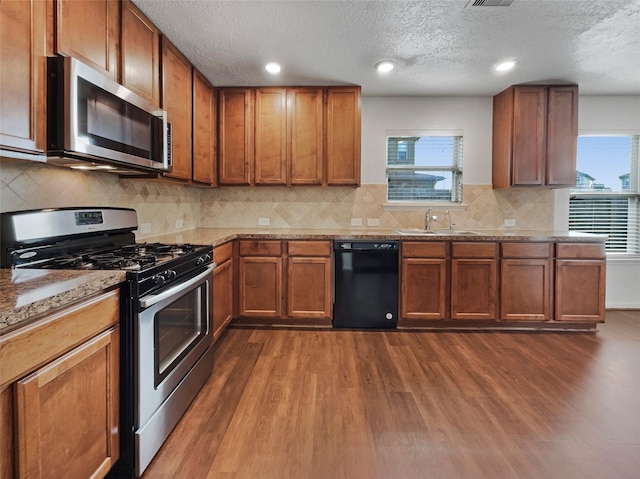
<point>473,115</point>
<point>614,114</point>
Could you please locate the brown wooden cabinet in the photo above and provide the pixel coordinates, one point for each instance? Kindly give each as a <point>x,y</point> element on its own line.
<point>535,131</point>
<point>474,280</point>
<point>222,288</point>
<point>177,101</point>
<point>140,49</point>
<point>309,279</point>
<point>22,78</point>
<point>204,130</point>
<point>59,393</point>
<point>90,31</point>
<point>424,291</point>
<point>305,136</point>
<point>260,279</point>
<point>235,136</point>
<point>271,136</point>
<point>67,413</point>
<point>580,282</point>
<point>288,136</point>
<point>526,281</point>
<point>343,136</point>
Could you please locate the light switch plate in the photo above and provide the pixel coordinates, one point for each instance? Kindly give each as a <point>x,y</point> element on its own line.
<point>179,224</point>
<point>145,228</point>
<point>263,221</point>
<point>356,221</point>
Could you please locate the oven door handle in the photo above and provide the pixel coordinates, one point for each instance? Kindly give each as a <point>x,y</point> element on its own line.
<point>156,298</point>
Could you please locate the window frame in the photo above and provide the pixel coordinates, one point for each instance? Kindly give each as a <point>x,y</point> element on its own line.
<point>456,168</point>
<point>632,193</point>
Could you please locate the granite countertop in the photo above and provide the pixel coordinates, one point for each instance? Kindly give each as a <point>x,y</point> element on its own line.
<point>28,293</point>
<point>217,236</point>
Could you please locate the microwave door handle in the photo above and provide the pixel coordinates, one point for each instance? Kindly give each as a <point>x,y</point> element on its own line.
<point>156,298</point>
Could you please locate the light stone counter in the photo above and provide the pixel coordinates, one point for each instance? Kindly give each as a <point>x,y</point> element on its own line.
<point>217,236</point>
<point>27,293</point>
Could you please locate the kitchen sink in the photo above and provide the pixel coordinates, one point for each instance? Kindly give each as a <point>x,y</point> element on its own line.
<point>421,232</point>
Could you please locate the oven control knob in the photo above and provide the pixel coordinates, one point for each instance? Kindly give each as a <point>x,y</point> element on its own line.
<point>159,279</point>
<point>170,274</point>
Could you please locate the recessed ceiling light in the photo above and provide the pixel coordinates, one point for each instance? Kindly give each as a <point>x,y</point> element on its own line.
<point>385,66</point>
<point>272,68</point>
<point>506,65</point>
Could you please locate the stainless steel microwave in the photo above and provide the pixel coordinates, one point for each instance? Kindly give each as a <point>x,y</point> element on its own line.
<point>95,123</point>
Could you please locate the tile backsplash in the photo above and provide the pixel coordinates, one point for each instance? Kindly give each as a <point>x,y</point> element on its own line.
<point>163,204</point>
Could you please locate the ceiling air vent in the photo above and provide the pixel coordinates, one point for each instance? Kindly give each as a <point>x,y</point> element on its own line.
<point>489,3</point>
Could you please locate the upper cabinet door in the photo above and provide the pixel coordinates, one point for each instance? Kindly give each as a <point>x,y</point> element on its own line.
<point>343,136</point>
<point>305,106</point>
<point>529,113</point>
<point>89,30</point>
<point>140,53</point>
<point>271,136</point>
<point>562,135</point>
<point>22,86</point>
<point>235,144</point>
<point>177,102</point>
<point>204,130</point>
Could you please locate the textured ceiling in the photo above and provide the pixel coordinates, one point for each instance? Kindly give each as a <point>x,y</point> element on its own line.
<point>441,47</point>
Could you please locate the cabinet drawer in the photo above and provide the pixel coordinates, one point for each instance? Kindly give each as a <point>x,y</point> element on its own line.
<point>223,252</point>
<point>474,250</point>
<point>309,248</point>
<point>260,248</point>
<point>423,249</point>
<point>580,250</point>
<point>527,250</point>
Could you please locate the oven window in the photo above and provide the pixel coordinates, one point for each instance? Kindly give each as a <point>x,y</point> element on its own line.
<point>178,328</point>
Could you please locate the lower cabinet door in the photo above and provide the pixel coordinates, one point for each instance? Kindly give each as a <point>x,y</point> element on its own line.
<point>580,290</point>
<point>423,288</point>
<point>473,289</point>
<point>525,290</point>
<point>67,413</point>
<point>309,287</point>
<point>260,286</point>
<point>222,297</point>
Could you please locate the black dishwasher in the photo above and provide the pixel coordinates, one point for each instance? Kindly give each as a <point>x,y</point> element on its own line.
<point>366,284</point>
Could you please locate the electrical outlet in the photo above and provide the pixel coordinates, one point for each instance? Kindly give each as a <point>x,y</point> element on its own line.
<point>509,223</point>
<point>145,228</point>
<point>179,224</point>
<point>373,222</point>
<point>179,239</point>
<point>263,221</point>
<point>356,221</point>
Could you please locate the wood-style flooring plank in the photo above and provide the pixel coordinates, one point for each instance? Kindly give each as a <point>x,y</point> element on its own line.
<point>316,404</point>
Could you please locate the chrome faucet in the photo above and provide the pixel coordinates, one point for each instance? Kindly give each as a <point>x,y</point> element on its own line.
<point>448,215</point>
<point>428,219</point>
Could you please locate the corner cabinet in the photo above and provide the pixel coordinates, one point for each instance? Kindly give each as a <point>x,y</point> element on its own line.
<point>260,279</point>
<point>59,393</point>
<point>535,132</point>
<point>222,288</point>
<point>22,91</point>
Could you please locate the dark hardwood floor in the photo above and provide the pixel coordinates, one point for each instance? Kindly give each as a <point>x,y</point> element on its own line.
<point>400,405</point>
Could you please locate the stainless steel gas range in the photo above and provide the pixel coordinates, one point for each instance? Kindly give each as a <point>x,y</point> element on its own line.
<point>166,319</point>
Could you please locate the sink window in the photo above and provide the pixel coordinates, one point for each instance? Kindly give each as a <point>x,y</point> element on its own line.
<point>424,167</point>
<point>606,198</point>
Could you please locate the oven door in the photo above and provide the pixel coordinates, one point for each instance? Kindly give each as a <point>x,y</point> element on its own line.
<point>174,329</point>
